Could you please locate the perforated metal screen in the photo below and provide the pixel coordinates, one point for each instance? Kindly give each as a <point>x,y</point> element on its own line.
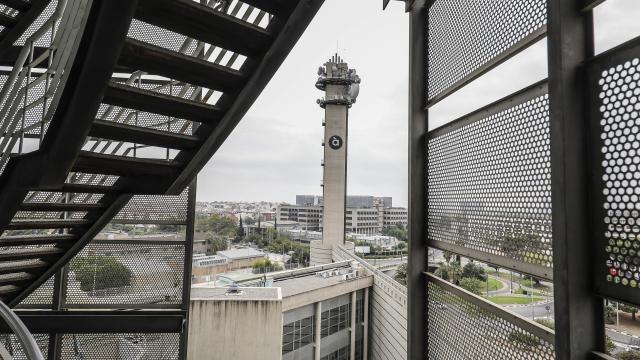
<point>489,184</point>
<point>466,38</point>
<point>120,346</point>
<point>615,78</point>
<point>155,210</point>
<point>462,326</point>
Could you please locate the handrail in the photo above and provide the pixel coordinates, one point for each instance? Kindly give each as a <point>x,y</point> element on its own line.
<point>23,334</point>
<point>28,91</point>
<point>380,275</point>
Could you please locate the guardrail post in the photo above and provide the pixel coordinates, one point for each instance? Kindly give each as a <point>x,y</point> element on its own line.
<point>418,120</point>
<point>579,313</point>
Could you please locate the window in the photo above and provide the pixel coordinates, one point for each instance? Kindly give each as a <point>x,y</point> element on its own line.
<point>297,334</point>
<point>335,320</point>
<point>340,354</point>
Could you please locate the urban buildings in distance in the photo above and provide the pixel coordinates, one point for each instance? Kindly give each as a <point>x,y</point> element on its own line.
<point>366,215</point>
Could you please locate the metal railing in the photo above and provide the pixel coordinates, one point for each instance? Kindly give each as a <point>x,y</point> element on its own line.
<point>29,97</point>
<point>26,339</point>
<point>340,252</point>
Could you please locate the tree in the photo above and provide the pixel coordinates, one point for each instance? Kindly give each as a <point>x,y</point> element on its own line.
<point>217,224</point>
<point>241,233</point>
<point>215,243</point>
<point>455,272</point>
<point>249,221</point>
<point>265,265</point>
<point>629,355</point>
<point>96,272</point>
<point>472,270</point>
<point>447,256</point>
<point>472,284</point>
<point>401,274</point>
<point>397,231</point>
<point>609,344</point>
<point>631,310</point>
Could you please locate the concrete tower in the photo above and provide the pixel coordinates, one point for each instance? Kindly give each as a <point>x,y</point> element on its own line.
<point>341,86</point>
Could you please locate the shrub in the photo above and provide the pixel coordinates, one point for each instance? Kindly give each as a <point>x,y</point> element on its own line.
<point>97,272</point>
<point>265,265</point>
<point>472,285</point>
<point>629,355</point>
<point>547,323</point>
<point>521,338</point>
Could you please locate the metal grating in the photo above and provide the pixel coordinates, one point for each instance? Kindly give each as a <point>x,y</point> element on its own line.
<point>615,76</point>
<point>155,209</point>
<point>120,274</point>
<point>41,298</point>
<point>478,35</point>
<point>120,346</point>
<point>489,184</point>
<point>15,349</point>
<point>464,326</point>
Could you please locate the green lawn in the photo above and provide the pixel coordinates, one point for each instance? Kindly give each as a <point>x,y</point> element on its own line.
<point>493,285</point>
<point>511,300</point>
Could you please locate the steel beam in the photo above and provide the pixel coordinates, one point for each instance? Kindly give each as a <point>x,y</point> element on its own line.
<point>100,322</point>
<point>579,313</point>
<point>418,127</point>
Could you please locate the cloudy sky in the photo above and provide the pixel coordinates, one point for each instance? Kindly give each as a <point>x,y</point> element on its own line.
<point>275,151</point>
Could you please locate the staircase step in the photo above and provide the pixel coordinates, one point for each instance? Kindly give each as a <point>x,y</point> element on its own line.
<point>139,135</point>
<point>124,166</point>
<point>203,23</point>
<point>89,189</point>
<point>19,5</point>
<point>8,290</point>
<point>31,253</point>
<point>47,224</point>
<point>149,101</point>
<point>274,7</point>
<point>25,240</point>
<point>16,278</point>
<point>32,206</point>
<point>23,266</point>
<point>138,55</point>
<point>7,21</point>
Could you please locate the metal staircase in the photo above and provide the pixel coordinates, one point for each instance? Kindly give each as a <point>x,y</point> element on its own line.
<point>135,102</point>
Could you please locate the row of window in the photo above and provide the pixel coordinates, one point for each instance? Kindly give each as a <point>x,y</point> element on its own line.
<point>341,354</point>
<point>334,320</point>
<point>297,334</point>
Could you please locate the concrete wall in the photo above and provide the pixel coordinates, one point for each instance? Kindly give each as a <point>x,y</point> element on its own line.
<point>387,313</point>
<point>335,170</point>
<point>238,330</point>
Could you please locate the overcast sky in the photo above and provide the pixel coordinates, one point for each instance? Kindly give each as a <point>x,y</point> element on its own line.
<point>275,151</point>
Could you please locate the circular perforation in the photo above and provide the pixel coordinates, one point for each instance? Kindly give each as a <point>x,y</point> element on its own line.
<point>490,185</point>
<point>465,35</point>
<point>620,143</point>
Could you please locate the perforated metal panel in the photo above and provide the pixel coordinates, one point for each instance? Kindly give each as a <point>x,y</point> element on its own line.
<point>463,326</point>
<point>120,346</point>
<point>489,184</point>
<point>41,298</point>
<point>615,78</point>
<point>468,37</point>
<point>15,349</point>
<point>155,209</point>
<point>119,274</point>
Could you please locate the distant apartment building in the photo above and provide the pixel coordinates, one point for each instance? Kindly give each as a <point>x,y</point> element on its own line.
<point>365,214</point>
<point>353,201</point>
<point>313,313</point>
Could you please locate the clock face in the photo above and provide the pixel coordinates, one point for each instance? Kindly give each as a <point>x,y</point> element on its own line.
<point>335,142</point>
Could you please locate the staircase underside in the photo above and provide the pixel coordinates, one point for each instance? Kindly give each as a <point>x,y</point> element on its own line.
<point>92,159</point>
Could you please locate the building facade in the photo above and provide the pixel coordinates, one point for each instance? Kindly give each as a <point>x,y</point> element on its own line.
<point>317,313</point>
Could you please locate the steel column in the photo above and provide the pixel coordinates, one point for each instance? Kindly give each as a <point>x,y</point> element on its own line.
<point>579,313</point>
<point>188,256</point>
<point>418,120</point>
